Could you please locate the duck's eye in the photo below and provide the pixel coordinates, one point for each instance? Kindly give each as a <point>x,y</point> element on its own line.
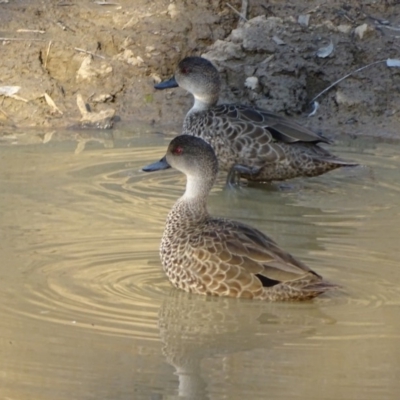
<point>177,151</point>
<point>185,70</point>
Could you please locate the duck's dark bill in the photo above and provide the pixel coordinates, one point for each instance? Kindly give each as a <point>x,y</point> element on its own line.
<point>158,165</point>
<point>170,83</point>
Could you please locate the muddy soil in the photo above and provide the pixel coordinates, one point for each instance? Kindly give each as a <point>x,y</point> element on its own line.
<point>94,64</point>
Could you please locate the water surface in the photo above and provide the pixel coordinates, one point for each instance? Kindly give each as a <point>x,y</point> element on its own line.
<point>87,313</point>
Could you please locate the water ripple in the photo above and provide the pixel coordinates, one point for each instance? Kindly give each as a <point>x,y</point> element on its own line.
<point>89,239</point>
<point>116,292</point>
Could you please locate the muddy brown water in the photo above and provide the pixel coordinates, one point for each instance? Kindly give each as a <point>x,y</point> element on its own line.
<point>87,313</point>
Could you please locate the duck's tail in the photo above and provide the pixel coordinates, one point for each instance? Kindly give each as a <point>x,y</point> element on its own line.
<point>323,156</point>
<point>337,161</point>
<point>306,288</point>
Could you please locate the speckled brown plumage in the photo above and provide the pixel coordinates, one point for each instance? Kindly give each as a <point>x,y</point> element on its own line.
<point>221,257</point>
<point>268,146</point>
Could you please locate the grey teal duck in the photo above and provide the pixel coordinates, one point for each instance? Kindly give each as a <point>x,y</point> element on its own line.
<point>249,142</point>
<point>214,256</point>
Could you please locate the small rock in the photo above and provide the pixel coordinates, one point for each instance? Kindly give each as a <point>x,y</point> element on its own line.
<point>325,51</point>
<point>251,82</point>
<point>237,35</point>
<point>128,57</point>
<point>103,119</point>
<point>344,28</point>
<point>278,41</point>
<point>9,90</point>
<point>88,71</point>
<point>156,78</point>
<point>128,41</point>
<point>361,30</point>
<point>223,50</point>
<point>102,98</point>
<point>172,11</point>
<point>304,20</point>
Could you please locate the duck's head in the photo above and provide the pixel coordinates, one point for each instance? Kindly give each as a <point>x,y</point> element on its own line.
<point>199,77</point>
<point>188,154</point>
<point>192,156</point>
<point>195,158</point>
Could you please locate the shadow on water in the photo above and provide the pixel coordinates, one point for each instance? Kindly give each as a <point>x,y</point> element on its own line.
<point>87,311</point>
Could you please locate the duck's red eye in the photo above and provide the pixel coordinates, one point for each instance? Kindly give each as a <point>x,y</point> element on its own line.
<point>178,150</point>
<point>185,70</point>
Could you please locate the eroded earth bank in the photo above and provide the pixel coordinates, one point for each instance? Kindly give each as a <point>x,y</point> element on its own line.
<point>95,64</point>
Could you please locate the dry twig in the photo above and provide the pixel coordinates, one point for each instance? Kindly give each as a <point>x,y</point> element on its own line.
<point>47,54</point>
<point>26,39</point>
<point>31,31</point>
<point>236,11</point>
<point>51,103</point>
<point>5,114</point>
<point>88,52</point>
<point>243,10</point>
<point>105,3</point>
<point>344,77</point>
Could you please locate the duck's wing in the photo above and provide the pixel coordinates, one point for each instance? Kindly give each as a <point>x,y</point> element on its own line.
<point>250,121</point>
<point>240,250</point>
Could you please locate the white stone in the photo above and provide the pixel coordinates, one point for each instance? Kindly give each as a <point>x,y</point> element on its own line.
<point>361,30</point>
<point>251,82</point>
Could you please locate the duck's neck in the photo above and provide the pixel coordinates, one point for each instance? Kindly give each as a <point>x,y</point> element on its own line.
<point>202,103</point>
<point>192,206</point>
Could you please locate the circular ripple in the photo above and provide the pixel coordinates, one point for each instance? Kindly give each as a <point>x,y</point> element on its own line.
<point>115,292</point>
<point>125,183</point>
<point>94,259</point>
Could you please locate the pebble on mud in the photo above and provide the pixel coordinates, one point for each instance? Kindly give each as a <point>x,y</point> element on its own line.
<point>256,34</point>
<point>304,20</point>
<point>361,30</point>
<point>103,119</point>
<point>88,71</point>
<point>325,51</point>
<point>278,40</point>
<point>344,28</point>
<point>102,98</point>
<point>128,57</point>
<point>172,11</point>
<point>223,50</point>
<point>251,82</point>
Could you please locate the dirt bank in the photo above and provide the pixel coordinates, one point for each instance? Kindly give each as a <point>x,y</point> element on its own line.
<point>112,54</point>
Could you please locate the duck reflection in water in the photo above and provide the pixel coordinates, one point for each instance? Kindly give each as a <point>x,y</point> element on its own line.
<point>199,330</point>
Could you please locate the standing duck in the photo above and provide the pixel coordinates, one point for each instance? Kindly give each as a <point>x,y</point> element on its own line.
<point>249,142</point>
<point>222,257</point>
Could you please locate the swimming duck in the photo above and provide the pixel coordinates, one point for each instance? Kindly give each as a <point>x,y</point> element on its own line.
<point>222,257</point>
<point>249,142</point>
